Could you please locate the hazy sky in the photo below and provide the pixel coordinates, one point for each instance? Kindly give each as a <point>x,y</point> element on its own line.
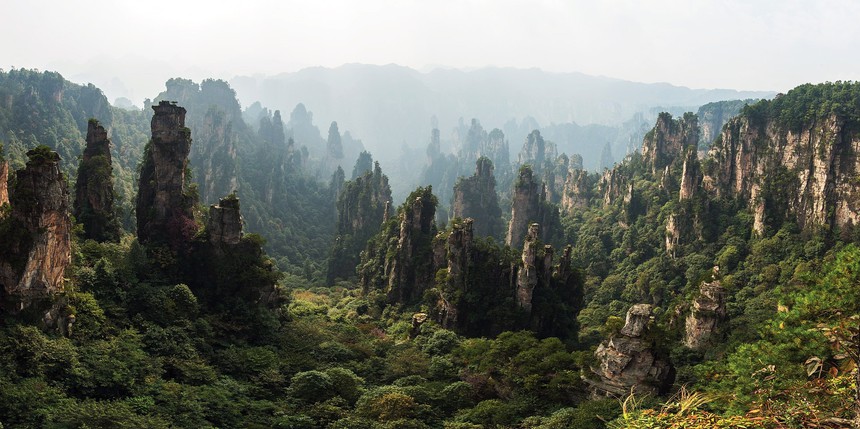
<point>131,47</point>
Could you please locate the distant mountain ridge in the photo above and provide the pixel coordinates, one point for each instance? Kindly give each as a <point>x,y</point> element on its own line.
<point>389,105</point>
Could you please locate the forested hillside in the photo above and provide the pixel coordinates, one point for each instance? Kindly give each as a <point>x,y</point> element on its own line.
<point>699,283</point>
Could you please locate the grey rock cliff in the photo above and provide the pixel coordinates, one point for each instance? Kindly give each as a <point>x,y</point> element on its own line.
<point>808,174</point>
<point>629,360</point>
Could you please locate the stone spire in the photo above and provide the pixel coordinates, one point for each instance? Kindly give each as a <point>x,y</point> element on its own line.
<point>163,210</point>
<point>36,251</point>
<point>94,196</point>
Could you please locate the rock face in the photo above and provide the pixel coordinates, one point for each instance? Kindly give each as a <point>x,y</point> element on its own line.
<point>478,143</point>
<point>334,150</point>
<point>613,184</point>
<point>4,181</point>
<point>577,190</point>
<point>457,254</point>
<point>214,156</point>
<point>807,173</point>
<point>526,206</point>
<point>225,222</point>
<point>709,309</point>
<point>475,197</point>
<point>668,139</point>
<point>163,209</point>
<point>94,195</point>
<point>691,176</point>
<point>628,360</point>
<point>361,209</point>
<point>535,151</point>
<point>527,276</point>
<point>402,263</point>
<point>713,116</point>
<point>554,176</point>
<point>35,248</point>
<point>673,234</point>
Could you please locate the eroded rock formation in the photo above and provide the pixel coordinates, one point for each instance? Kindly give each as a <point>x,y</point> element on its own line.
<point>527,276</point>
<point>362,206</point>
<point>35,239</point>
<point>613,184</point>
<point>475,197</point>
<point>629,360</point>
<point>668,139</point>
<point>163,209</point>
<point>807,173</point>
<point>708,311</point>
<point>536,151</point>
<point>94,194</point>
<point>225,222</point>
<point>214,156</point>
<point>691,175</point>
<point>4,181</point>
<point>400,263</point>
<point>577,190</point>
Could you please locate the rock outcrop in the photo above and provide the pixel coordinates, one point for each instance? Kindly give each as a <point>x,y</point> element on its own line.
<point>629,360</point>
<point>361,209</point>
<point>525,206</point>
<point>713,116</point>
<point>668,139</point>
<point>457,254</point>
<point>4,182</point>
<point>528,204</point>
<point>527,276</point>
<point>691,175</point>
<point>225,222</point>
<point>708,311</point>
<point>475,197</point>
<point>35,239</point>
<point>478,143</point>
<point>613,184</point>
<point>554,177</point>
<point>334,150</point>
<point>577,190</point>
<point>806,173</point>
<point>94,194</point>
<point>163,209</point>
<point>401,262</point>
<point>214,156</point>
<point>536,151</point>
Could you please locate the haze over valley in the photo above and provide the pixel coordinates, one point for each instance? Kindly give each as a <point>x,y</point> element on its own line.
<point>430,215</point>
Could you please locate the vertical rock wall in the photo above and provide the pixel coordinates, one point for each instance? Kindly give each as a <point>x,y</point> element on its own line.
<point>94,196</point>
<point>35,249</point>
<point>163,210</point>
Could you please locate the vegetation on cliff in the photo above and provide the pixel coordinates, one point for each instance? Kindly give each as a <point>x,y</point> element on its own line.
<point>447,329</point>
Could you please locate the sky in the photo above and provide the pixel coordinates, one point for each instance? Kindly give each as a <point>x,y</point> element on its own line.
<point>130,48</point>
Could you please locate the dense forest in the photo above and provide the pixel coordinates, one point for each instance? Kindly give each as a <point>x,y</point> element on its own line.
<point>193,264</point>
